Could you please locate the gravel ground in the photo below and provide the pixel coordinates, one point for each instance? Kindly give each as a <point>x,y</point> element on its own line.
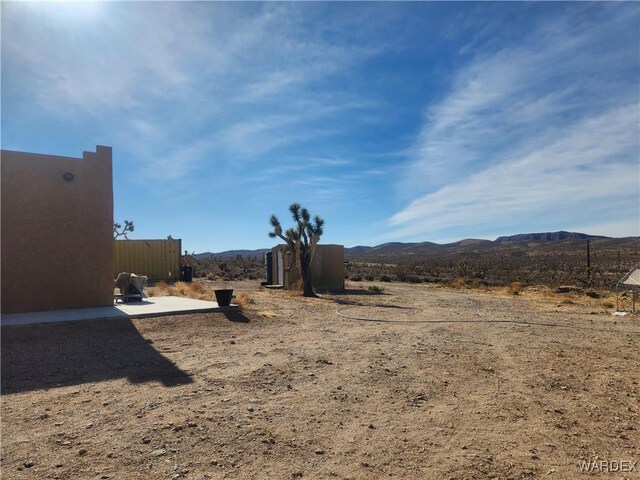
<point>444,384</point>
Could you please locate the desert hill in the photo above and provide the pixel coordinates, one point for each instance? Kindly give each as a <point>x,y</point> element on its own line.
<point>468,245</point>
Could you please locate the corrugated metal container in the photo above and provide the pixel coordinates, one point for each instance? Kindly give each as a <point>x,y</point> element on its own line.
<point>157,259</point>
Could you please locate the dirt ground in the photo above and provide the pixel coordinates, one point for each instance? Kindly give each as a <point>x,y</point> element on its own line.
<point>449,384</point>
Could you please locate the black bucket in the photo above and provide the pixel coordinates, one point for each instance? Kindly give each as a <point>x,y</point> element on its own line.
<point>223,297</point>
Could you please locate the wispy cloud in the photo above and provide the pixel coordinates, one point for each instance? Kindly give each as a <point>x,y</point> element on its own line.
<point>544,126</point>
<point>191,84</point>
<point>592,167</point>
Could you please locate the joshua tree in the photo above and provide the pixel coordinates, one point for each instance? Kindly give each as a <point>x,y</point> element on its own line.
<point>302,240</point>
<point>120,231</point>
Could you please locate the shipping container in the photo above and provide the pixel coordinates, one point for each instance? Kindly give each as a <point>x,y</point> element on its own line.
<point>156,259</point>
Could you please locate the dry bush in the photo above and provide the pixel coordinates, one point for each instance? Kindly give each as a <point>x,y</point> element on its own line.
<point>515,288</point>
<point>196,287</point>
<point>375,289</point>
<point>243,300</point>
<point>459,283</point>
<point>179,289</point>
<point>567,301</point>
<point>608,304</point>
<point>158,290</point>
<point>268,314</point>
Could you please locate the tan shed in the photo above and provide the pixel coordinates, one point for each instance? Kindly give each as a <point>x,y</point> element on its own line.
<point>327,270</point>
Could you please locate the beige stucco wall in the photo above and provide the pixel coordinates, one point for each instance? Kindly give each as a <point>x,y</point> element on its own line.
<point>57,235</point>
<point>327,269</point>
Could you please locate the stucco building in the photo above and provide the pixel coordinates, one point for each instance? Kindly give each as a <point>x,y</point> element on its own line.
<point>57,231</point>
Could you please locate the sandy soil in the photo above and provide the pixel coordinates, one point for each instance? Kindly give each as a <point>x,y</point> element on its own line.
<point>450,384</point>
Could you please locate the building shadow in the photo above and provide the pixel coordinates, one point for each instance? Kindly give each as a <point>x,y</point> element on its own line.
<point>235,316</point>
<point>37,357</point>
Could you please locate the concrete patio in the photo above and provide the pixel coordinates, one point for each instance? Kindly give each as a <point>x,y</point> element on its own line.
<point>149,307</point>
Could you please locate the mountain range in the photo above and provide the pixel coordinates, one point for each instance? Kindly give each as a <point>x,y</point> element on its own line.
<point>394,248</point>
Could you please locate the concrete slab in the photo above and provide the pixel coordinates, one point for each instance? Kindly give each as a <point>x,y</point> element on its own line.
<point>149,307</point>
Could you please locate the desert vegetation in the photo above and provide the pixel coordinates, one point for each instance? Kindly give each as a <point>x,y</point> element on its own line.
<point>237,267</point>
<point>551,266</point>
<point>122,231</point>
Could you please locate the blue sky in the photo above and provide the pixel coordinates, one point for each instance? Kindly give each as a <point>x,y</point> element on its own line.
<point>393,121</point>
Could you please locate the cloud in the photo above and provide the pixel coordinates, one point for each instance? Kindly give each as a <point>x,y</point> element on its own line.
<point>190,83</point>
<point>546,127</point>
<point>628,228</point>
<point>523,91</point>
<point>591,168</point>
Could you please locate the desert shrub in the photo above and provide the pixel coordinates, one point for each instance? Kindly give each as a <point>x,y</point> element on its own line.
<point>515,288</point>
<point>459,282</point>
<point>161,286</point>
<point>180,289</point>
<point>356,278</point>
<point>375,289</point>
<point>402,272</point>
<point>243,300</point>
<point>608,304</point>
<point>370,278</point>
<point>385,278</point>
<point>462,269</point>
<point>196,287</point>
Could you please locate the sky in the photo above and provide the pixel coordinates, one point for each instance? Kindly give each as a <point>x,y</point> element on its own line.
<point>393,121</point>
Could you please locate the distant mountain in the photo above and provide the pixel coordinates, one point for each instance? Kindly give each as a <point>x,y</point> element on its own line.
<point>466,245</point>
<point>546,237</point>
<point>358,250</point>
<point>232,253</point>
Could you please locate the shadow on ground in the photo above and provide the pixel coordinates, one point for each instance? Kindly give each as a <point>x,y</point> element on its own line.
<point>46,356</point>
<point>236,316</point>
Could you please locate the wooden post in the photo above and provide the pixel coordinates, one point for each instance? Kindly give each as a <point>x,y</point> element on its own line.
<point>588,261</point>
<point>619,267</point>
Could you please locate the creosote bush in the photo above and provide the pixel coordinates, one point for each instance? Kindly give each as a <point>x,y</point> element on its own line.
<point>515,288</point>
<point>243,300</point>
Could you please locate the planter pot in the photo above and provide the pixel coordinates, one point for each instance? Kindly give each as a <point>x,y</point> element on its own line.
<point>223,297</point>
